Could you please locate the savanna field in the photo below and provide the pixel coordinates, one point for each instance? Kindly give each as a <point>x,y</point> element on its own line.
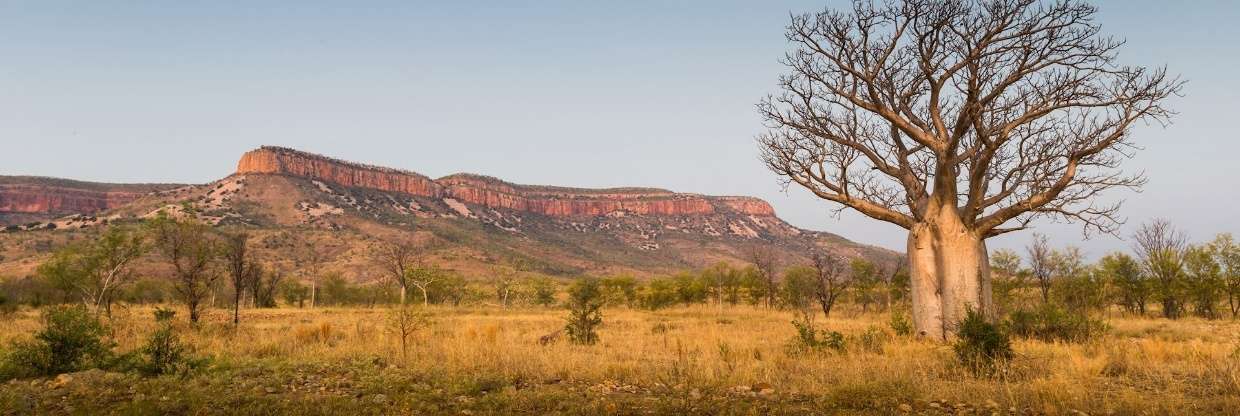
<point>687,360</point>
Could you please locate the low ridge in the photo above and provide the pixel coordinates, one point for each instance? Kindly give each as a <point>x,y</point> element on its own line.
<point>495,193</point>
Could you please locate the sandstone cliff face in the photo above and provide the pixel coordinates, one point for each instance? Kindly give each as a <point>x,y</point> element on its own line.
<point>29,195</point>
<point>270,160</point>
<point>491,192</point>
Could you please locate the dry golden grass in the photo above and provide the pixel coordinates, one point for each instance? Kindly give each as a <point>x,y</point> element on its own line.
<point>1142,366</point>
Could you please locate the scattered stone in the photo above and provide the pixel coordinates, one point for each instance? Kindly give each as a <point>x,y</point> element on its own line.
<point>61,381</point>
<point>379,399</point>
<point>906,408</point>
<point>695,394</point>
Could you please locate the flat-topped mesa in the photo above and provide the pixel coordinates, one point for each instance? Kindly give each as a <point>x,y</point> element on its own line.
<point>492,192</point>
<point>278,160</point>
<point>31,195</point>
<point>562,201</point>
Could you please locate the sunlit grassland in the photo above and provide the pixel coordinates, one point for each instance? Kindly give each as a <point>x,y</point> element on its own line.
<point>701,359</point>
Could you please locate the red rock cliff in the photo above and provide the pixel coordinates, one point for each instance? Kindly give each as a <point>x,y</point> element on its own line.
<point>30,195</point>
<point>273,160</point>
<point>491,192</point>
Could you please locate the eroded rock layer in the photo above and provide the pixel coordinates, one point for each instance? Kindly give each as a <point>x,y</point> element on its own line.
<point>495,193</point>
<point>37,195</point>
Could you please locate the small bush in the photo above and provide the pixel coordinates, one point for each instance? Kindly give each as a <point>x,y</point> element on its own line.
<point>164,353</point>
<point>71,340</point>
<point>1052,323</point>
<point>981,346</point>
<point>873,340</point>
<point>900,324</point>
<point>811,339</point>
<point>164,315</point>
<point>584,316</point>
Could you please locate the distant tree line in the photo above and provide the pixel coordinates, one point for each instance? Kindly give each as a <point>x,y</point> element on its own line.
<point>201,266</point>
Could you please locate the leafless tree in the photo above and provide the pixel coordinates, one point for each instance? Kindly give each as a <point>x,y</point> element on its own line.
<point>191,248</point>
<point>1041,264</point>
<point>397,259</point>
<point>959,121</point>
<point>833,279</point>
<point>312,257</point>
<point>766,260</point>
<point>1161,248</point>
<point>242,269</point>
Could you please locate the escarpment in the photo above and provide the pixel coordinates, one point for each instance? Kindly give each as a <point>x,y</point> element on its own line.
<point>494,193</point>
<point>38,195</point>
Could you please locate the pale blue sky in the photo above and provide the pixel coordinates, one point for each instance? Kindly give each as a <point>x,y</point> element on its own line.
<point>575,93</point>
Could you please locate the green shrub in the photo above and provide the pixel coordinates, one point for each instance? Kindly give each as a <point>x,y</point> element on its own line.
<point>811,339</point>
<point>900,324</point>
<point>981,346</point>
<point>1051,323</point>
<point>165,354</point>
<point>7,307</point>
<point>71,340</point>
<point>164,315</point>
<point>585,302</point>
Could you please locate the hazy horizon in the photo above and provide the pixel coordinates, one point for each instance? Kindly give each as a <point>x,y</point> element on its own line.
<point>558,93</point>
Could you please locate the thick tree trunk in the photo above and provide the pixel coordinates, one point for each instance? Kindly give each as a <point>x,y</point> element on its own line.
<point>949,273</point>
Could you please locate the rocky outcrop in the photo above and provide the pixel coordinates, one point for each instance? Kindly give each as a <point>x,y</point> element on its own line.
<point>495,193</point>
<point>36,195</point>
<point>275,160</point>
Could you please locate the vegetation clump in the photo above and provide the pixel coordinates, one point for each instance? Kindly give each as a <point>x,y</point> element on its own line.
<point>584,315</point>
<point>810,339</point>
<point>72,339</point>
<point>981,346</point>
<point>1050,322</point>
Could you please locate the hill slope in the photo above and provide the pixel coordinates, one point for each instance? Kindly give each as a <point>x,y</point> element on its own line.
<point>290,198</point>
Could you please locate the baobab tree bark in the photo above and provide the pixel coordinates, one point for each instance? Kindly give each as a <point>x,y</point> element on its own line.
<point>949,273</point>
<point>959,121</point>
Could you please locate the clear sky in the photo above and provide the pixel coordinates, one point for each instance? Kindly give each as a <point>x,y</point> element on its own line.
<point>573,93</point>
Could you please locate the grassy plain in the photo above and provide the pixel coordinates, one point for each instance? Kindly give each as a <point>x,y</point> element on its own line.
<point>692,360</point>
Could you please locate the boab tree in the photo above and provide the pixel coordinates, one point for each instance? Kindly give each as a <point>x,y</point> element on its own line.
<point>959,121</point>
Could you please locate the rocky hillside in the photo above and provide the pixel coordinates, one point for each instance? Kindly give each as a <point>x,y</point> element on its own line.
<point>25,199</point>
<point>469,222</point>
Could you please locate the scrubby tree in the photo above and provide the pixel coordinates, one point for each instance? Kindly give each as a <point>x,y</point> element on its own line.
<point>585,306</point>
<point>1132,288</point>
<point>422,277</point>
<point>766,261</point>
<point>959,121</point>
<point>241,267</point>
<point>832,279</point>
<point>264,286</point>
<point>797,291</point>
<point>725,283</point>
<point>397,258</point>
<point>97,269</point>
<point>504,283</point>
<point>619,290</point>
<point>864,275</point>
<point>294,293</point>
<point>1203,280</point>
<point>1041,264</point>
<point>1161,249</point>
<point>1009,279</point>
<point>191,248</point>
<point>1228,253</point>
<point>544,291</point>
